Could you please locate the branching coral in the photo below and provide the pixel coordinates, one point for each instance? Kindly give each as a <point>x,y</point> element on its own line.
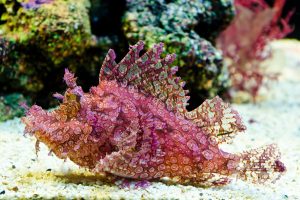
<point>134,124</point>
<point>244,45</point>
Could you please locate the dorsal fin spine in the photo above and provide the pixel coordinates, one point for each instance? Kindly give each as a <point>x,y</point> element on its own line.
<point>149,73</point>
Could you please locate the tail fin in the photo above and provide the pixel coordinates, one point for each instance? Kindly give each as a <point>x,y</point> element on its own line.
<point>261,165</point>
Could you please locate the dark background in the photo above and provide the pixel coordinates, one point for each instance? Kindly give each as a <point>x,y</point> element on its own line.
<point>295,21</point>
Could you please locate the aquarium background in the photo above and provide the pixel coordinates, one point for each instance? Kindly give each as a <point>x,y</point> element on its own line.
<point>53,132</point>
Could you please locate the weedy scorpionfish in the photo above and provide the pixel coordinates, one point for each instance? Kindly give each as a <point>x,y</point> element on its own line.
<point>135,125</point>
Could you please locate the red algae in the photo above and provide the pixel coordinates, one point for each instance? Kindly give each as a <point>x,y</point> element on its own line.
<point>245,45</point>
<point>135,125</point>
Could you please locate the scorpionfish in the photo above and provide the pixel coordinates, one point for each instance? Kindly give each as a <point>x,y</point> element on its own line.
<point>135,125</point>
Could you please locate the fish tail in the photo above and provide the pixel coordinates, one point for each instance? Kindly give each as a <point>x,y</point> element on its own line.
<point>261,165</point>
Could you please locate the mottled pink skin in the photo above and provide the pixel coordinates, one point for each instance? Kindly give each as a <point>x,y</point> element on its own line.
<point>172,145</point>
<point>121,129</point>
<point>139,138</point>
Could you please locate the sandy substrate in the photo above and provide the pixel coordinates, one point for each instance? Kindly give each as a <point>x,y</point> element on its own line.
<point>276,120</point>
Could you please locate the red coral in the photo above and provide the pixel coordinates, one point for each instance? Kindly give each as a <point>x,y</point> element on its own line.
<point>244,41</point>
<point>134,124</point>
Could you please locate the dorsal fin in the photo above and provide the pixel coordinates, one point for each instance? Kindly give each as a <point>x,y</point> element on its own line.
<point>149,73</point>
<point>218,119</point>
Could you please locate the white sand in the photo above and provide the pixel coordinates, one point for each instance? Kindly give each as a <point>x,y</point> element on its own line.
<point>277,120</point>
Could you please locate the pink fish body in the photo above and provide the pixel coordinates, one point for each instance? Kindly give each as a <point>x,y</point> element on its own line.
<point>134,124</point>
